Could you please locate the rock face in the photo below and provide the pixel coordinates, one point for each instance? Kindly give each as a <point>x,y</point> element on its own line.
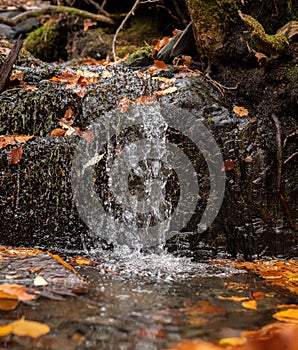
<point>37,207</point>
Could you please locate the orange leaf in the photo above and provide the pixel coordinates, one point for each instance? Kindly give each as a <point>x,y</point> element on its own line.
<point>62,262</point>
<point>160,65</point>
<point>15,155</point>
<point>16,290</point>
<point>233,298</point>
<point>144,100</point>
<point>31,87</point>
<point>8,304</point>
<point>58,132</point>
<point>250,304</point>
<point>228,164</point>
<point>240,111</point>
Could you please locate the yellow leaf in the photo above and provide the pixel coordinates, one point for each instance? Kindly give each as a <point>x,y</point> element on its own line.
<point>40,281</point>
<point>289,315</point>
<point>5,330</point>
<point>233,298</point>
<point>240,111</point>
<point>32,329</point>
<point>232,341</point>
<point>250,304</point>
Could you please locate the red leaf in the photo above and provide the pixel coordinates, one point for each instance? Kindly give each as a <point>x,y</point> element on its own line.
<point>15,155</point>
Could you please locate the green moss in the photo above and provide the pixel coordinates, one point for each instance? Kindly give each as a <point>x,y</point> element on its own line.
<point>145,51</point>
<point>43,42</point>
<point>270,44</point>
<point>222,11</point>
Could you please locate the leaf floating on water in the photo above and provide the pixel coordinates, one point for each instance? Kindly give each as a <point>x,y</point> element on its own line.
<point>228,342</point>
<point>250,304</point>
<point>31,329</point>
<point>15,155</point>
<point>233,298</point>
<point>5,330</point>
<point>289,315</point>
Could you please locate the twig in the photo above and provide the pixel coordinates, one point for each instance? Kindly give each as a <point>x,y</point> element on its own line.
<point>55,9</point>
<point>9,62</point>
<point>121,26</point>
<point>219,86</point>
<point>288,212</point>
<point>290,157</point>
<point>278,152</point>
<point>99,8</point>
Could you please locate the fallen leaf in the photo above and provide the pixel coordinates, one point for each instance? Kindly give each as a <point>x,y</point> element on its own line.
<point>195,345</point>
<point>231,342</point>
<point>240,111</point>
<point>86,135</point>
<point>160,65</point>
<point>31,87</point>
<point>16,291</point>
<point>167,91</point>
<point>32,329</point>
<point>5,330</point>
<point>58,132</point>
<point>40,281</point>
<point>88,23</point>
<point>68,113</point>
<point>228,165</point>
<point>233,298</point>
<point>24,138</point>
<point>289,315</point>
<point>250,304</point>
<point>17,75</point>
<point>8,304</point>
<point>145,99</point>
<point>15,155</point>
<point>262,59</point>
<point>82,261</point>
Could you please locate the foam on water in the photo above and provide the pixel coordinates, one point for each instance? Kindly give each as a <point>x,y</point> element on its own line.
<point>157,267</point>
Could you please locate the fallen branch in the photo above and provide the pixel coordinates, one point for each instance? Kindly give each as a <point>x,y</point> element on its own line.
<point>50,10</point>
<point>9,62</point>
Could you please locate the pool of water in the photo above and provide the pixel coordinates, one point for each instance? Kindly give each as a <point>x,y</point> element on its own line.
<point>149,302</point>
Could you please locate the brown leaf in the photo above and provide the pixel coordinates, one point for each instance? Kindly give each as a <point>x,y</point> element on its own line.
<point>17,75</point>
<point>167,91</point>
<point>31,87</point>
<point>15,155</point>
<point>160,65</point>
<point>58,132</point>
<point>228,164</point>
<point>24,138</point>
<point>86,135</point>
<point>68,113</point>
